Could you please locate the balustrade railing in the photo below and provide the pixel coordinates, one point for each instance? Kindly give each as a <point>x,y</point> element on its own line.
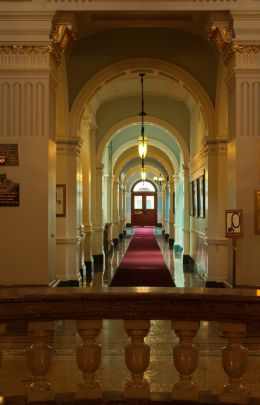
<point>41,307</point>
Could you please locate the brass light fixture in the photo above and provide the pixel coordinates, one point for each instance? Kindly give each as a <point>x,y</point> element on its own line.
<point>143,171</point>
<point>142,140</point>
<point>158,180</point>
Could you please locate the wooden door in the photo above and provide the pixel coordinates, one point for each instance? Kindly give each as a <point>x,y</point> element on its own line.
<point>144,209</point>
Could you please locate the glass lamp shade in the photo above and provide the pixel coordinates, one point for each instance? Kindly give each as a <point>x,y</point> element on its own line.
<point>143,173</point>
<point>142,146</point>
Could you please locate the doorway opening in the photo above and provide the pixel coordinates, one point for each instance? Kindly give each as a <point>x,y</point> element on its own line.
<point>144,204</point>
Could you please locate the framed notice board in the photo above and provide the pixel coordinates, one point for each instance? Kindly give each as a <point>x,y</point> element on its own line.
<point>257,212</point>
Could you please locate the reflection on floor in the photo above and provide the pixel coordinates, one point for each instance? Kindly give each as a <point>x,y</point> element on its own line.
<point>64,374</point>
<point>183,275</point>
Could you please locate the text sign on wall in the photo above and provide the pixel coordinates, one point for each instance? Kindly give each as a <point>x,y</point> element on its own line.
<point>9,192</point>
<point>234,223</point>
<point>9,154</point>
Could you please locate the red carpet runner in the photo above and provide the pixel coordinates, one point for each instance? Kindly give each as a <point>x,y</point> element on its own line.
<point>143,263</point>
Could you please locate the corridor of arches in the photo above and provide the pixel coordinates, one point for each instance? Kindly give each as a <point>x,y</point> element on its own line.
<point>77,121</point>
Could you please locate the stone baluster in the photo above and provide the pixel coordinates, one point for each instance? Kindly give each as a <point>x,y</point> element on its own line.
<point>186,358</point>
<point>137,358</point>
<point>234,362</point>
<point>88,359</point>
<point>39,356</point>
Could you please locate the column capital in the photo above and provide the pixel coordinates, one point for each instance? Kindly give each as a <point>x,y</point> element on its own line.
<point>99,170</point>
<point>214,145</point>
<point>185,170</point>
<point>89,122</point>
<point>237,37</point>
<point>69,145</point>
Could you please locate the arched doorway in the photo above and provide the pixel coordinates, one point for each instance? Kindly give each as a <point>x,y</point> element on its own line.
<point>143,204</point>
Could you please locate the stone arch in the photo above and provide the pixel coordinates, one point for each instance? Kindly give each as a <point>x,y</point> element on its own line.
<point>131,154</point>
<point>152,120</point>
<point>159,66</point>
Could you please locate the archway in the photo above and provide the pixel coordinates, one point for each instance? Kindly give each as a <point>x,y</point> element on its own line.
<point>143,204</point>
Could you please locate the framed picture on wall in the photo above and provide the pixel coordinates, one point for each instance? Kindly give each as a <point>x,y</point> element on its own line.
<point>202,195</point>
<point>60,200</point>
<point>191,199</point>
<point>196,198</point>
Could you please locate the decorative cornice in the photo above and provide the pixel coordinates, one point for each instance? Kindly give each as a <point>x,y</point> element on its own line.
<point>18,56</point>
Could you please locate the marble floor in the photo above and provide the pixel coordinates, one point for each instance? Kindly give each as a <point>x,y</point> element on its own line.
<point>161,374</point>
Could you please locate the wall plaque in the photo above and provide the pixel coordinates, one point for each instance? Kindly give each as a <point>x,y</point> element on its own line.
<point>234,223</point>
<point>9,192</point>
<point>9,154</point>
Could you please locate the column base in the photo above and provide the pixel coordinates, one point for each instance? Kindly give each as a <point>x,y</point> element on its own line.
<point>188,260</point>
<point>216,284</point>
<point>109,248</point>
<point>69,283</point>
<point>89,266</point>
<point>98,259</point>
<point>171,243</point>
<point>115,242</point>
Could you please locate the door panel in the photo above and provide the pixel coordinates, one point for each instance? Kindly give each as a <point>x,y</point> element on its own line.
<point>144,209</point>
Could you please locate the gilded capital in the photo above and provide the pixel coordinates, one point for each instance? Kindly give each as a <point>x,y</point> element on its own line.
<point>62,34</point>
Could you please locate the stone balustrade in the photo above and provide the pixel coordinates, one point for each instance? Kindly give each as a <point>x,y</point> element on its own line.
<point>40,307</point>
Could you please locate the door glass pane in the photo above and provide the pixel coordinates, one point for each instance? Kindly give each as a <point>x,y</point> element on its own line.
<point>137,202</point>
<point>150,202</point>
<point>144,186</point>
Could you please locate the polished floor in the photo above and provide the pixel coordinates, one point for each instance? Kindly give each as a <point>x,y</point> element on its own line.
<point>64,374</point>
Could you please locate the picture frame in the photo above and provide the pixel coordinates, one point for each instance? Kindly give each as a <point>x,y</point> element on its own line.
<point>202,196</point>
<point>60,200</point>
<point>191,199</point>
<point>196,197</point>
<point>234,223</point>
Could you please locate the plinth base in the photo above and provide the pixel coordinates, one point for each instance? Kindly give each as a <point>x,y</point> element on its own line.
<point>91,392</point>
<point>235,398</point>
<point>137,391</point>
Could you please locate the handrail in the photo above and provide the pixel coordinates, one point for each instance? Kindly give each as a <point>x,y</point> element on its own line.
<point>43,303</point>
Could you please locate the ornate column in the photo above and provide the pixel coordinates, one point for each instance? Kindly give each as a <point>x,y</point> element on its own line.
<point>186,214</point>
<point>69,231</point>
<point>28,81</point>
<point>96,203</point>
<point>215,152</point>
<point>99,228</point>
<point>171,213</point>
<point>163,208</point>
<point>241,52</point>
<point>86,191</point>
<point>178,218</point>
<point>115,212</point>
<point>120,210</point>
<point>123,210</point>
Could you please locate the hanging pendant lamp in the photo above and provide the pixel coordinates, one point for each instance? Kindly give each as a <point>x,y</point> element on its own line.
<point>142,140</point>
